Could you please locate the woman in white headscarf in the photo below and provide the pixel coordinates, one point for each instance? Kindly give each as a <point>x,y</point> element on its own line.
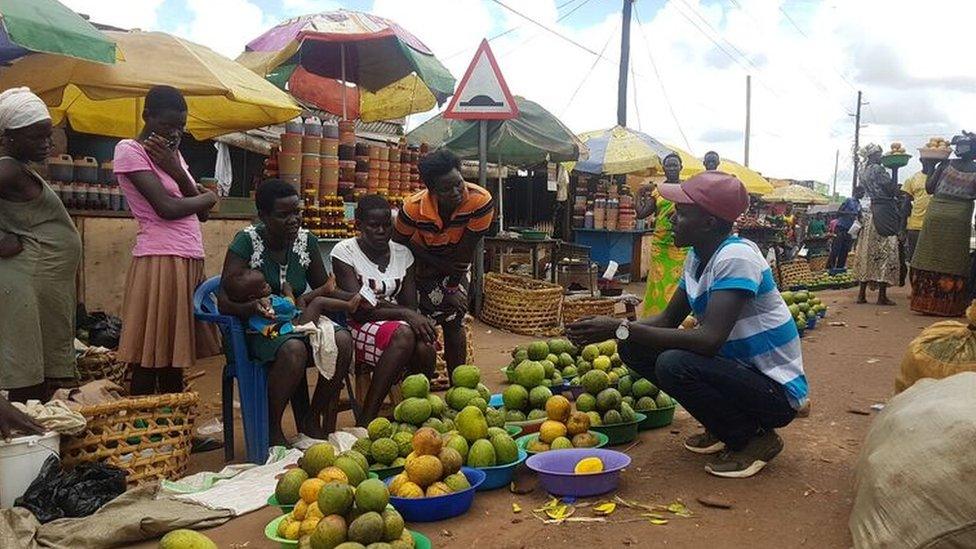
<point>39,255</point>
<point>878,264</point>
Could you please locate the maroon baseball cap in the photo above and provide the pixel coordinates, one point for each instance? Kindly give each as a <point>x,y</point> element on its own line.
<point>718,193</point>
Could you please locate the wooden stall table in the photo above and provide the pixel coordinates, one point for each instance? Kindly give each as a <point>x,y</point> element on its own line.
<point>496,247</point>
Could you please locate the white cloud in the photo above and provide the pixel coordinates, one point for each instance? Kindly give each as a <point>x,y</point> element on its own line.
<point>226,25</point>
<point>141,14</point>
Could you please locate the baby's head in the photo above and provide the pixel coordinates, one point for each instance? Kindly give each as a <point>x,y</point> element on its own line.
<point>249,284</point>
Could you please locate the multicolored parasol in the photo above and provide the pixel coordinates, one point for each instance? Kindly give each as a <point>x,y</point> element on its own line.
<point>47,26</point>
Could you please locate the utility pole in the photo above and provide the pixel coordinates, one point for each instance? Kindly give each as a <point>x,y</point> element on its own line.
<point>857,142</point>
<point>833,190</point>
<point>624,60</point>
<point>748,116</point>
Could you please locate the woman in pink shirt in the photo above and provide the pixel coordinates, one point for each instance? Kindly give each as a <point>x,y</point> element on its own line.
<point>160,337</point>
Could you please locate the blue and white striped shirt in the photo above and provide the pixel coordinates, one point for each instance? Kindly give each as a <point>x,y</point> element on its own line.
<point>765,335</point>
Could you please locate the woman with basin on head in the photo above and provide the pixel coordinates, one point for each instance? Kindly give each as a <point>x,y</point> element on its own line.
<point>287,255</point>
<point>941,264</point>
<point>667,260</point>
<point>39,255</point>
<point>160,337</point>
<point>877,256</point>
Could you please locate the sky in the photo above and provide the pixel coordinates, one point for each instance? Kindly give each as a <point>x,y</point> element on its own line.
<point>689,61</point>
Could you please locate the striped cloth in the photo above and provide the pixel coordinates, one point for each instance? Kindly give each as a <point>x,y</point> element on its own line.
<point>765,336</point>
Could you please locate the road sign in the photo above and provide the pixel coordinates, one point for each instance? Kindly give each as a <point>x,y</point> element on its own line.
<point>483,93</point>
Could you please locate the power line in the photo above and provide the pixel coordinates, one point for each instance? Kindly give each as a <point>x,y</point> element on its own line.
<point>633,83</point>
<point>590,71</point>
<point>803,34</point>
<point>558,20</point>
<point>660,80</point>
<point>547,29</point>
<point>717,33</point>
<point>517,27</point>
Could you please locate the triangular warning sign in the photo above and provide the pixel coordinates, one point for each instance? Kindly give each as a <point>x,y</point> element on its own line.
<point>483,93</point>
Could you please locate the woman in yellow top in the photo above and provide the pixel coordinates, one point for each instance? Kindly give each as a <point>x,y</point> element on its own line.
<point>667,261</point>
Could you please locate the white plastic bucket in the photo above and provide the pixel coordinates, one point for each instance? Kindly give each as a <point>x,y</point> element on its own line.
<point>20,462</point>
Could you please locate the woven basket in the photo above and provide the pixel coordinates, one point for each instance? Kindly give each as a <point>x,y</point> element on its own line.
<point>521,305</point>
<point>817,264</point>
<point>575,309</point>
<point>148,437</point>
<point>95,366</point>
<point>441,379</point>
<point>794,273</point>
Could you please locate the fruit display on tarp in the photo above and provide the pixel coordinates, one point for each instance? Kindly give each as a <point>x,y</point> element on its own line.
<point>336,503</point>
<point>601,357</point>
<point>557,357</point>
<point>562,429</point>
<point>827,281</point>
<point>805,308</point>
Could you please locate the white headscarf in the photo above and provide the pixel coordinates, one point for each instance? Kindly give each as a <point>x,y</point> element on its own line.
<point>19,108</point>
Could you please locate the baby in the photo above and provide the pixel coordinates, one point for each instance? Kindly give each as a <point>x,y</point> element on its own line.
<point>251,284</point>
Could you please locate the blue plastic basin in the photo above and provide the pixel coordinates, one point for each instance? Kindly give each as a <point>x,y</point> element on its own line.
<point>439,507</point>
<point>500,476</point>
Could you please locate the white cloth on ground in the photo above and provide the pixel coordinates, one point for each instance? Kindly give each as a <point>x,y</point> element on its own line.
<point>19,108</point>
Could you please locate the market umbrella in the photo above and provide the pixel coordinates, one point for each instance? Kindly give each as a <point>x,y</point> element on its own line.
<point>404,97</point>
<point>535,136</point>
<point>795,194</point>
<point>620,150</point>
<point>222,95</point>
<point>349,46</point>
<point>754,182</point>
<point>47,26</point>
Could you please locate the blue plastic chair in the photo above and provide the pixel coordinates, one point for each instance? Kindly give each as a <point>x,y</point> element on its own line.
<point>252,379</point>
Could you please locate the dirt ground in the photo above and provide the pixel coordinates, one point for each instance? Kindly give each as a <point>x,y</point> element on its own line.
<point>802,499</point>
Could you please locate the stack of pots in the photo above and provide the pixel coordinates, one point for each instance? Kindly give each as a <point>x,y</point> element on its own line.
<point>394,188</point>
<point>414,172</point>
<point>329,184</point>
<point>383,174</point>
<point>290,156</point>
<point>347,159</point>
<point>311,158</point>
<point>362,170</point>
<point>626,216</point>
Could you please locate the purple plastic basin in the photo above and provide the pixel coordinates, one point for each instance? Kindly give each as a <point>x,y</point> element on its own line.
<point>555,471</point>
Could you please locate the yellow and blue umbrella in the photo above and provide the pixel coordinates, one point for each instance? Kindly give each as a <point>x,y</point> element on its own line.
<point>620,150</point>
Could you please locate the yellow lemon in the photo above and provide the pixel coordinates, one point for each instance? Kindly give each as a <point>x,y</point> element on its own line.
<point>293,531</point>
<point>588,466</point>
<point>309,490</point>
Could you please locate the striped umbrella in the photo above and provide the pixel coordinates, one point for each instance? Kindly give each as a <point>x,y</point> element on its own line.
<point>620,150</point>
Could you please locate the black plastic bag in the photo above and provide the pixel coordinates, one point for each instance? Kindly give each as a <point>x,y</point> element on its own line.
<point>57,493</point>
<point>98,328</point>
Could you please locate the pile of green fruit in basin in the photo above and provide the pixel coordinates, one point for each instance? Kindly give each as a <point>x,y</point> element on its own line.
<point>804,306</point>
<point>825,280</point>
<point>558,358</point>
<point>599,356</point>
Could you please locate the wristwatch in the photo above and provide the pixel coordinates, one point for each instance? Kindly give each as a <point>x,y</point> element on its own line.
<point>623,331</point>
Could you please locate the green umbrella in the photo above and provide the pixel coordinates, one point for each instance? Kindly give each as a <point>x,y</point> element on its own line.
<point>533,137</point>
<point>47,26</point>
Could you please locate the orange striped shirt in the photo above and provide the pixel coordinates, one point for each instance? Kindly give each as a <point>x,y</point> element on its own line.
<point>420,220</point>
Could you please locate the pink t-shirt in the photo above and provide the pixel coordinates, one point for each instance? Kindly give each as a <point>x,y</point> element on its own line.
<point>156,236</point>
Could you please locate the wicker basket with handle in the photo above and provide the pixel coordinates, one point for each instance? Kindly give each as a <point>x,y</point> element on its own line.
<point>575,309</point>
<point>148,437</point>
<point>95,366</point>
<point>521,305</point>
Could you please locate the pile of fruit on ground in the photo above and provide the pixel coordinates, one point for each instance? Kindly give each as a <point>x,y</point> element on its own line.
<point>826,281</point>
<point>804,306</point>
<point>335,503</point>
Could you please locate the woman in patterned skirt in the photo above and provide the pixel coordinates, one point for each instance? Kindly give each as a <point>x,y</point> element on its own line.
<point>941,264</point>
<point>877,256</point>
<point>667,260</point>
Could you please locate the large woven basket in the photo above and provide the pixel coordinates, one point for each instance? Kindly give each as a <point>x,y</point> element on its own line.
<point>95,366</point>
<point>521,305</point>
<point>794,273</point>
<point>575,309</point>
<point>148,437</point>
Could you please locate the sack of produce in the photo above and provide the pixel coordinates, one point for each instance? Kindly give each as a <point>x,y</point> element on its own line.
<point>941,350</point>
<point>909,487</point>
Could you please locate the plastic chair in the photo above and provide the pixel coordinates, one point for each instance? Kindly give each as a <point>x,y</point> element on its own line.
<point>252,380</point>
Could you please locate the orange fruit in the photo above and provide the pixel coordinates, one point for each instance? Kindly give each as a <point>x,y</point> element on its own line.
<point>410,490</point>
<point>558,408</point>
<point>333,474</point>
<point>551,430</point>
<point>309,491</point>
<point>427,442</point>
<point>425,470</point>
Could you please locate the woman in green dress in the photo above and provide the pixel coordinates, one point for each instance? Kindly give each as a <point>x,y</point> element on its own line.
<point>39,255</point>
<point>667,260</point>
<point>285,252</point>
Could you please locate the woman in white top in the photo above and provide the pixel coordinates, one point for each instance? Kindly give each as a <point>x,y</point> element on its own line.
<point>392,337</point>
